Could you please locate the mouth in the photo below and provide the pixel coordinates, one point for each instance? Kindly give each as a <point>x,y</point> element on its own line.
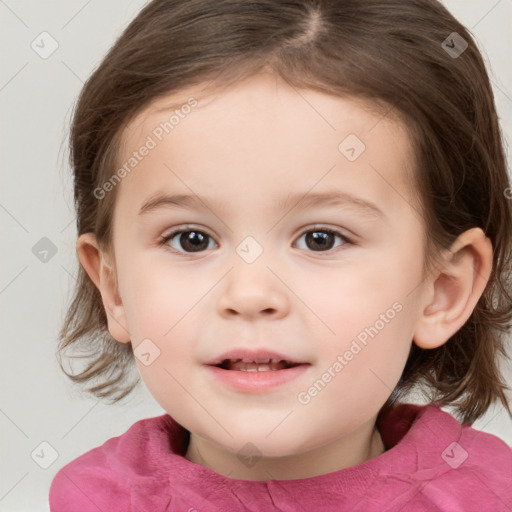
<point>255,371</point>
<point>256,365</point>
<point>255,360</point>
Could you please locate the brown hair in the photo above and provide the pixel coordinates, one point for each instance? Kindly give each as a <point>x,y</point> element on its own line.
<point>386,52</point>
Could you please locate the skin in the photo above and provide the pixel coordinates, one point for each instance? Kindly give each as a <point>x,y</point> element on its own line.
<point>247,148</point>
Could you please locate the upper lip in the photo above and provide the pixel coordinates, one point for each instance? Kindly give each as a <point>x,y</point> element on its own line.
<point>252,355</point>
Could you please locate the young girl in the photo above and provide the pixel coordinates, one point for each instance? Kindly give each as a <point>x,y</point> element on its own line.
<point>291,216</point>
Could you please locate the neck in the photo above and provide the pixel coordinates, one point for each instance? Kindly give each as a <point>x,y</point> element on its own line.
<point>341,453</point>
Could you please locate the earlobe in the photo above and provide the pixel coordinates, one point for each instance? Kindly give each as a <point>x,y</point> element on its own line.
<point>103,276</point>
<point>455,289</point>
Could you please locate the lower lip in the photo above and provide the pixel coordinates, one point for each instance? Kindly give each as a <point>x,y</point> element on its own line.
<point>257,382</point>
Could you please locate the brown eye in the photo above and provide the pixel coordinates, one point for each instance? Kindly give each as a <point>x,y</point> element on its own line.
<point>188,241</point>
<point>322,239</point>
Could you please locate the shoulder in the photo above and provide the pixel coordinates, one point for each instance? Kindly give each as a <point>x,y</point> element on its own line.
<point>458,465</point>
<point>430,428</point>
<point>487,459</point>
<point>466,446</point>
<point>478,471</point>
<point>102,478</point>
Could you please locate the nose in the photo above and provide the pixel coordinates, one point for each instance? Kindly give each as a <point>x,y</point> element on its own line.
<point>252,291</point>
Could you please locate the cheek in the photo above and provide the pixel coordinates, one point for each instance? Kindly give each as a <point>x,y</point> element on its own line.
<point>163,305</point>
<point>160,308</point>
<point>368,313</point>
<point>359,373</point>
<point>157,299</point>
<point>357,296</point>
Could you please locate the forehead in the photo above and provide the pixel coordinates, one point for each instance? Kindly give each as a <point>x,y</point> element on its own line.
<point>262,132</point>
<point>266,98</point>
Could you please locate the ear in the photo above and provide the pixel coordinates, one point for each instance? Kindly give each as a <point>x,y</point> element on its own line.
<point>455,289</point>
<point>103,275</point>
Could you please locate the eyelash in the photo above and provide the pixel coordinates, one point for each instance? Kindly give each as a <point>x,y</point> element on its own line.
<point>322,229</point>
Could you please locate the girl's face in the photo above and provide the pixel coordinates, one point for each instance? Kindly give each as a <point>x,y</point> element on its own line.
<point>265,263</point>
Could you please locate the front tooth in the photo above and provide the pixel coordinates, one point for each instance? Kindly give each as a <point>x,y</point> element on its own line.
<point>266,361</point>
<point>260,368</point>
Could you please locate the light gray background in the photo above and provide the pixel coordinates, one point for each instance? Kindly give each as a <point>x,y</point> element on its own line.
<point>36,98</point>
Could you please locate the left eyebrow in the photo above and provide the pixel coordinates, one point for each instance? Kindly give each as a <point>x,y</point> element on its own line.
<point>301,201</point>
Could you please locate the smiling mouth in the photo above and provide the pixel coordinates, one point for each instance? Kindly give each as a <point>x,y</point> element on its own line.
<point>258,365</point>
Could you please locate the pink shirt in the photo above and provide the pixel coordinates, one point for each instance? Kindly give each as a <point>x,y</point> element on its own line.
<point>432,464</point>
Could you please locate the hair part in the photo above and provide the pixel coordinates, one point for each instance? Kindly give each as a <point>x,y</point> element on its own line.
<point>397,68</point>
